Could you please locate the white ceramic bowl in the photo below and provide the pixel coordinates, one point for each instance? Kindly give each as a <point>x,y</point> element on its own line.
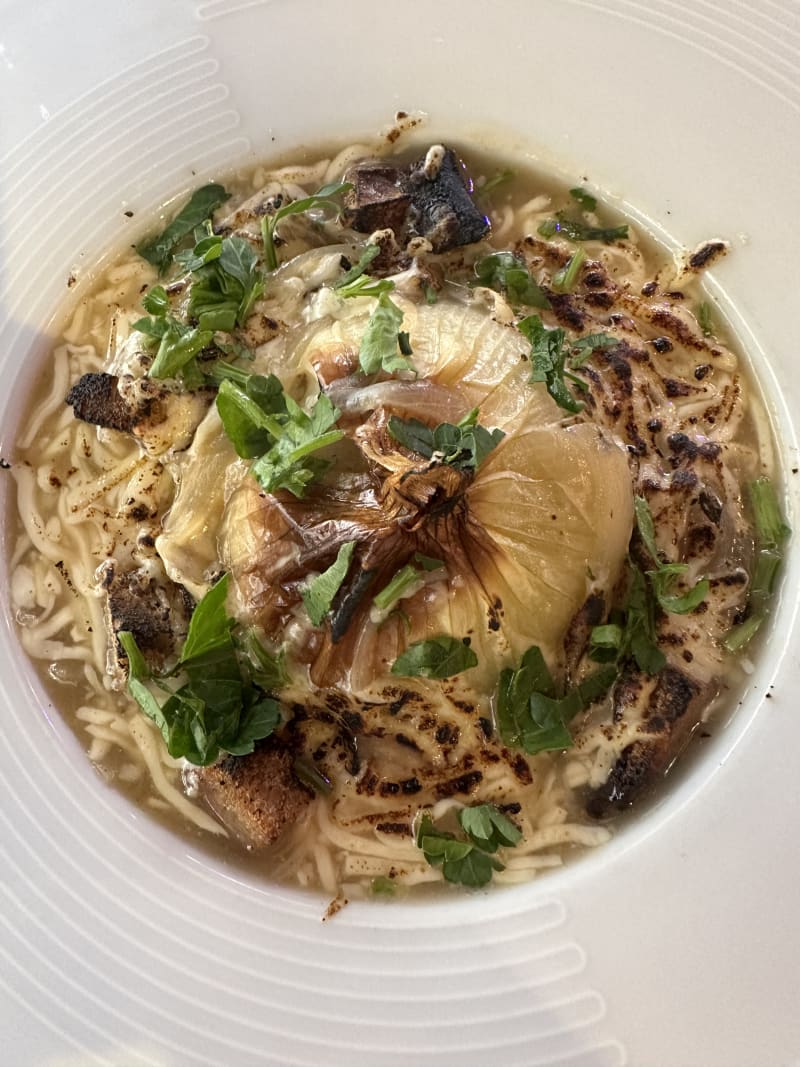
<point>678,942</point>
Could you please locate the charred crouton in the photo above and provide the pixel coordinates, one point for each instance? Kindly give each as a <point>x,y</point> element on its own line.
<point>95,398</point>
<point>255,796</point>
<point>156,613</point>
<point>378,200</point>
<point>442,209</point>
<point>159,417</point>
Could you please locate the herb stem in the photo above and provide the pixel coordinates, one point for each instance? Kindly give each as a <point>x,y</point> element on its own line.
<point>397,588</point>
<point>329,438</point>
<point>564,279</point>
<point>770,527</point>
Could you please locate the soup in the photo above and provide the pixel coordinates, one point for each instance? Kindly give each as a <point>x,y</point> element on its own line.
<point>405,520</point>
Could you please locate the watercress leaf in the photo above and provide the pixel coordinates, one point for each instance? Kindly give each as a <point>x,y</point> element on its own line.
<point>290,463</point>
<point>210,625</point>
<point>646,527</point>
<point>584,198</point>
<point>595,686</point>
<point>323,198</point>
<point>462,862</point>
<point>221,318</point>
<point>412,434</point>
<point>575,230</point>
<point>138,671</point>
<point>505,272</point>
<point>153,328</point>
<point>260,720</point>
<point>678,605</point>
<point>484,442</point>
<point>366,286</point>
<point>319,594</point>
<point>234,349</point>
<point>426,828</point>
<point>245,411</point>
<point>771,532</point>
<point>663,578</point>
<point>238,259</point>
<point>177,348</point>
<point>505,709</point>
<point>438,657</point>
<point>379,346</point>
<point>640,635</point>
<point>464,445</point>
<point>529,714</point>
<point>605,642</point>
<point>548,356</point>
<point>201,205</point>
<point>544,729</point>
<point>488,828</point>
<point>155,301</point>
<point>475,869</point>
<point>267,669</point>
<point>581,350</point>
<point>205,251</point>
<point>649,657</point>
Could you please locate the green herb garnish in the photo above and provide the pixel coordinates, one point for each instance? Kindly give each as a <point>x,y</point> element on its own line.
<point>226,283</point>
<point>463,445</point>
<point>665,575</point>
<point>245,410</point>
<point>503,177</point>
<point>323,198</point>
<point>585,199</point>
<point>506,273</point>
<point>264,422</point>
<point>771,532</point>
<point>318,595</point>
<point>581,350</point>
<point>579,231</point>
<point>548,362</point>
<point>309,774</point>
<point>220,707</point>
<point>407,580</point>
<point>178,347</point>
<point>530,714</point>
<point>630,631</point>
<point>202,204</point>
<point>705,318</point>
<point>468,862</point>
<point>381,886</point>
<point>439,657</point>
<point>488,828</point>
<point>381,347</point>
<point>358,269</point>
<point>224,287</point>
<point>564,279</point>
